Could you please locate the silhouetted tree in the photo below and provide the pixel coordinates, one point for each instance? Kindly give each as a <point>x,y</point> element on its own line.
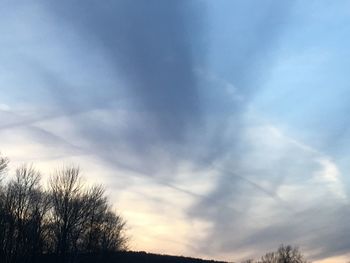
<point>3,165</point>
<point>3,215</point>
<point>104,230</point>
<point>67,220</point>
<point>97,207</point>
<point>284,254</point>
<point>68,210</point>
<point>38,230</point>
<point>81,220</point>
<point>112,230</point>
<point>21,206</point>
<point>289,254</point>
<point>271,257</point>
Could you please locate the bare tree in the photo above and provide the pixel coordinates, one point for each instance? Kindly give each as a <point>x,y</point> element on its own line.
<point>113,233</point>
<point>289,254</point>
<point>19,210</point>
<point>3,225</point>
<point>66,220</point>
<point>37,225</point>
<point>97,207</point>
<point>271,257</point>
<point>284,254</point>
<point>68,209</point>
<point>3,165</point>
<point>103,229</point>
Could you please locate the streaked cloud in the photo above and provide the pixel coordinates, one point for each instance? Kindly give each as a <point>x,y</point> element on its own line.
<point>225,122</point>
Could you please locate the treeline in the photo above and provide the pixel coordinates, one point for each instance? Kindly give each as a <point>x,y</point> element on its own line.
<point>65,220</point>
<point>69,222</point>
<point>284,254</point>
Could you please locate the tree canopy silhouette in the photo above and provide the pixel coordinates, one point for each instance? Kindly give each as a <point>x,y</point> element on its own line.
<point>65,220</point>
<point>284,254</point>
<point>72,222</point>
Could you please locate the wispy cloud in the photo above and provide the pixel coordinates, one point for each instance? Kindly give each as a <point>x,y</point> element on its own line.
<point>220,106</point>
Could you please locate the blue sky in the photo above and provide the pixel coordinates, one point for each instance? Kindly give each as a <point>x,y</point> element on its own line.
<point>222,121</point>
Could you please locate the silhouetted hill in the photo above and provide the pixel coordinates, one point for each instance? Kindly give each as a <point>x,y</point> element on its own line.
<point>131,257</point>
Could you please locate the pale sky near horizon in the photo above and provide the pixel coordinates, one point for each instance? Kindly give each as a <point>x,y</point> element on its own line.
<point>219,128</point>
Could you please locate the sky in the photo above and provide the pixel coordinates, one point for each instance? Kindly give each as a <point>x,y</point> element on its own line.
<point>219,128</point>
